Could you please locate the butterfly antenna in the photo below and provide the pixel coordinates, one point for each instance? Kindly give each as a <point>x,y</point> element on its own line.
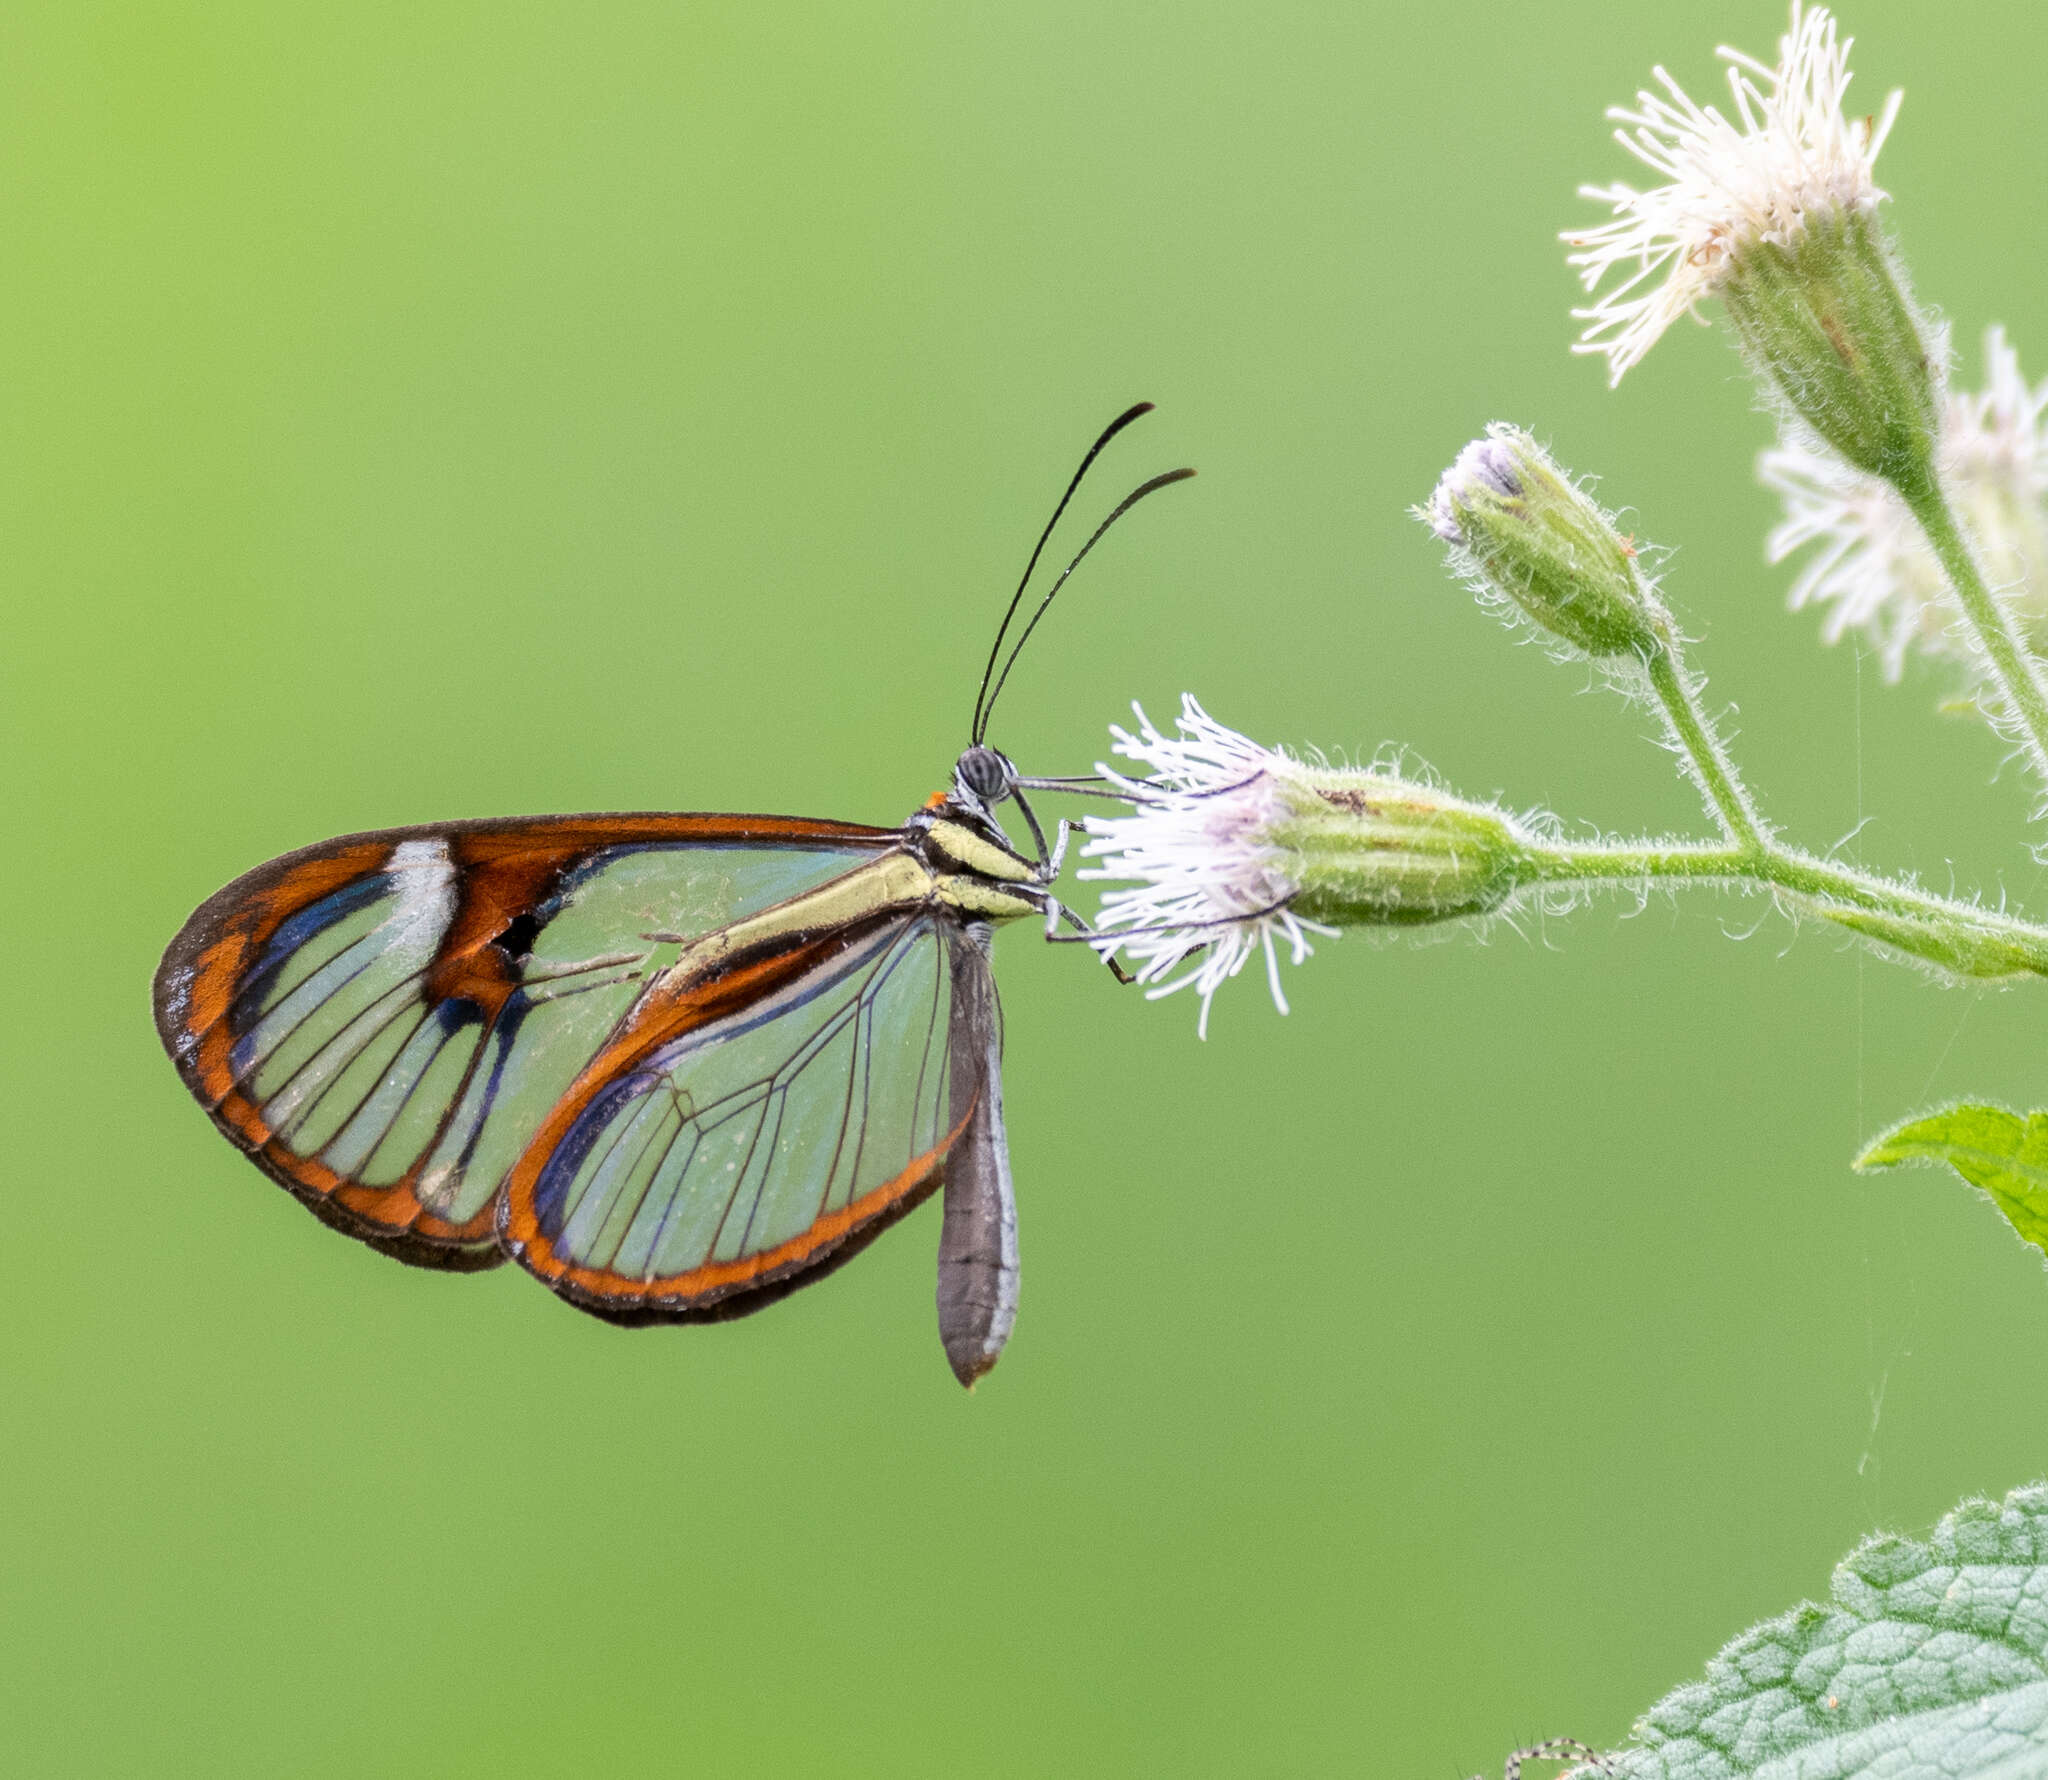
<point>979,727</point>
<point>1117,512</point>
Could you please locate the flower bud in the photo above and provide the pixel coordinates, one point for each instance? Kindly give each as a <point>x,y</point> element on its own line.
<point>1520,530</point>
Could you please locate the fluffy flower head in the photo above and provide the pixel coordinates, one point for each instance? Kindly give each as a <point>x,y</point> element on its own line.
<point>1870,564</point>
<point>1790,155</point>
<point>1237,849</point>
<point>1211,884</point>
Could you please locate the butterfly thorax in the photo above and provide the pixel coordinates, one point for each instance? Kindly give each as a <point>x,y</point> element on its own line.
<point>972,862</point>
<point>962,842</point>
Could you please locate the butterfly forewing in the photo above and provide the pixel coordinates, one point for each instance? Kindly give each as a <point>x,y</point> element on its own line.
<point>385,1021</point>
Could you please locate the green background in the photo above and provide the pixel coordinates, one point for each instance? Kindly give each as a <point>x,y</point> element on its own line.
<point>435,409</point>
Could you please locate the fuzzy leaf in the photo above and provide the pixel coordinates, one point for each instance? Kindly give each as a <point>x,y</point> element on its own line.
<point>2005,1153</point>
<point>1929,1662</point>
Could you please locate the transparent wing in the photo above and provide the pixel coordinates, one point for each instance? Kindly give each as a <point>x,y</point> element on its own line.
<point>732,1148</point>
<point>385,1021</point>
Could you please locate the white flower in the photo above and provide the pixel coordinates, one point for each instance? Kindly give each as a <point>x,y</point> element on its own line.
<point>1792,153</point>
<point>1871,565</point>
<point>1209,883</point>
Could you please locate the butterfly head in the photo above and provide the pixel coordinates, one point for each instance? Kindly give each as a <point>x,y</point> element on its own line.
<point>984,775</point>
<point>983,779</point>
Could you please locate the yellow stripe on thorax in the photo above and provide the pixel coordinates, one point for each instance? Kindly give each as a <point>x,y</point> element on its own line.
<point>983,900</point>
<point>964,847</point>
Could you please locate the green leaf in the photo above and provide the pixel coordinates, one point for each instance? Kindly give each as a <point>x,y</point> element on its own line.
<point>2003,1152</point>
<point>1928,1661</point>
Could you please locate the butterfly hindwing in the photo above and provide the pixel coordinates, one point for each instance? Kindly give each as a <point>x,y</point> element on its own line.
<point>384,1021</point>
<point>745,1131</point>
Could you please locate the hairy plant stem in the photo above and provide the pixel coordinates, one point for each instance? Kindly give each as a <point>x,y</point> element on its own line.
<point>1727,798</point>
<point>2012,668</point>
<point>1958,937</point>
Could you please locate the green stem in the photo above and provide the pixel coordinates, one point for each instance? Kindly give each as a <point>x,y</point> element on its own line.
<point>1957,936</point>
<point>1727,798</point>
<point>2012,668</point>
<point>1365,850</point>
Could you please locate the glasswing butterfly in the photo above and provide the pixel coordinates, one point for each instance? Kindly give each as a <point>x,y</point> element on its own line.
<point>675,1066</point>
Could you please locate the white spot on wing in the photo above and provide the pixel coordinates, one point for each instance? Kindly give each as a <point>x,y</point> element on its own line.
<point>424,875</point>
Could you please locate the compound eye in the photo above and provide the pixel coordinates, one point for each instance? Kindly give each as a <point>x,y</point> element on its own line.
<point>986,773</point>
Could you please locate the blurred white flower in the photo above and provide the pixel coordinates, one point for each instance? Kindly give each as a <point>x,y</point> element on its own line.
<point>1211,885</point>
<point>1791,157</point>
<point>1870,563</point>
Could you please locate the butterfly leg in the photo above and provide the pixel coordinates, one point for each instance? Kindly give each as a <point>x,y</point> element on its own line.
<point>1556,1749</point>
<point>1055,912</point>
<point>1045,871</point>
<point>1062,835</point>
